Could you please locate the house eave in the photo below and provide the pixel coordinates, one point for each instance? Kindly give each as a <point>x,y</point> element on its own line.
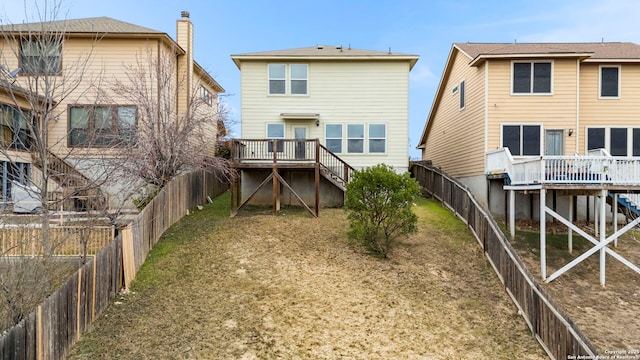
<point>480,59</point>
<point>238,59</point>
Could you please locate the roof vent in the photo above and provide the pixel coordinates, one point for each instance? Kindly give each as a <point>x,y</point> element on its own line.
<point>184,14</point>
<point>320,47</point>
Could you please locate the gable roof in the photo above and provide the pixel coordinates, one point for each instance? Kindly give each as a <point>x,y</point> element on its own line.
<point>478,53</point>
<point>88,25</point>
<point>325,52</point>
<point>601,52</point>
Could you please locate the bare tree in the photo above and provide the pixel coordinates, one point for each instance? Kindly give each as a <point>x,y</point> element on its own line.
<point>170,140</point>
<point>35,86</point>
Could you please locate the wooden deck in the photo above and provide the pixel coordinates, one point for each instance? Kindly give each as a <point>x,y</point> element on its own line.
<point>286,154</point>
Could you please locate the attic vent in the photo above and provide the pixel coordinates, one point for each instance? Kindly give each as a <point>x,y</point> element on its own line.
<point>339,47</point>
<point>320,47</point>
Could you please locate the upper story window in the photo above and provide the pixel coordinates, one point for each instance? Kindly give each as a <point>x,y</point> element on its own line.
<point>522,140</point>
<point>532,77</point>
<point>102,126</point>
<point>206,95</point>
<point>609,82</point>
<point>288,79</point>
<point>277,79</point>
<point>14,129</point>
<point>40,57</point>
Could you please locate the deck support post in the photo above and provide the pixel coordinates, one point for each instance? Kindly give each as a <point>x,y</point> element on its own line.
<point>603,228</point>
<point>512,213</point>
<point>276,192</point>
<point>543,230</point>
<point>570,231</point>
<point>615,217</point>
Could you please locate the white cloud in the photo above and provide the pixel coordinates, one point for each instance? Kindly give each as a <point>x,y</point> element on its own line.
<point>421,75</point>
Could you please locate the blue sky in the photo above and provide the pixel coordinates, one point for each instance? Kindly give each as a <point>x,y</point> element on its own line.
<point>424,28</point>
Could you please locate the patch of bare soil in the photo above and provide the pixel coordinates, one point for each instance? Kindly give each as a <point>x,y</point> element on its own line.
<point>293,287</point>
<point>608,314</point>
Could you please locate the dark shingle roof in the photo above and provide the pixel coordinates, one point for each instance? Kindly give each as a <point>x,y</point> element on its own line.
<point>87,25</point>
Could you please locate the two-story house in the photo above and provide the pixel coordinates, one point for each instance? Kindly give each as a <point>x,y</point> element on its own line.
<point>353,103</point>
<point>535,100</point>
<point>516,121</point>
<point>78,64</point>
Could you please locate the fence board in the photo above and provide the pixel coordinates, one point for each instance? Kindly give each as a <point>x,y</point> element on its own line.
<point>558,335</point>
<point>49,331</point>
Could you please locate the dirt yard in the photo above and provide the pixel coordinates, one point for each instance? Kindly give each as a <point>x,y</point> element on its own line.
<point>294,287</point>
<point>607,315</point>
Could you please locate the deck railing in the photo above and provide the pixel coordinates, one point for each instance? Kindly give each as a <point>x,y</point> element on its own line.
<point>274,150</point>
<point>261,151</point>
<point>593,169</point>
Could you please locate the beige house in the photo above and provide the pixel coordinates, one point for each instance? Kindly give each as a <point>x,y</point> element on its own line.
<point>350,105</point>
<point>80,61</point>
<point>535,100</point>
<point>544,131</point>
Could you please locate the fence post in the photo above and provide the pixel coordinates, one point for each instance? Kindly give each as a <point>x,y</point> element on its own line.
<point>128,256</point>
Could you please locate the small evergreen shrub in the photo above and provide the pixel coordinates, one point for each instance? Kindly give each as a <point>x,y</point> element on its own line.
<point>379,202</point>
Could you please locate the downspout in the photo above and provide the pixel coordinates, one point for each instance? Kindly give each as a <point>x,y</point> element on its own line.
<point>577,130</point>
<point>486,111</point>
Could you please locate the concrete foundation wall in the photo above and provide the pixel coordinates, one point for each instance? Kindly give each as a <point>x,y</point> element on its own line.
<point>301,181</point>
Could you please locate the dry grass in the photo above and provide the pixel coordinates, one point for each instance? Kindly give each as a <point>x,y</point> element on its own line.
<point>263,287</point>
<point>607,315</point>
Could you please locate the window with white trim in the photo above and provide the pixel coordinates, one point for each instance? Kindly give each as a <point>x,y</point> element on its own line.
<point>522,140</point>
<point>609,82</point>
<point>355,138</point>
<point>288,79</point>
<point>532,77</point>
<point>618,141</point>
<point>299,74</point>
<point>333,137</point>
<point>277,79</point>
<point>275,131</point>
<point>377,138</point>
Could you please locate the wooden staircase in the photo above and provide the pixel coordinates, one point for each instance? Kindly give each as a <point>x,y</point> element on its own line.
<point>79,192</point>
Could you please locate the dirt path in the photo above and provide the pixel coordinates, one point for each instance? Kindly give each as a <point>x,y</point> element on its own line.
<point>293,287</point>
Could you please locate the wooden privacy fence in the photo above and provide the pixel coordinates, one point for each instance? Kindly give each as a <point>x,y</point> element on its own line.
<point>56,324</point>
<point>557,334</point>
<point>65,240</point>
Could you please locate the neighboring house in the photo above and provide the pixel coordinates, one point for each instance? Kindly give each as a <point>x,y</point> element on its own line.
<point>536,100</point>
<point>544,131</point>
<point>92,117</point>
<point>346,109</point>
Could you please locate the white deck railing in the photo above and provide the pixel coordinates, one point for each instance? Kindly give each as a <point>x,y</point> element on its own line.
<point>599,168</point>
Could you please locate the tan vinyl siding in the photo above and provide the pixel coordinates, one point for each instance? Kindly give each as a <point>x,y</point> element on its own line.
<point>556,111</point>
<point>99,65</point>
<point>456,139</point>
<point>344,92</point>
<point>595,112</point>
